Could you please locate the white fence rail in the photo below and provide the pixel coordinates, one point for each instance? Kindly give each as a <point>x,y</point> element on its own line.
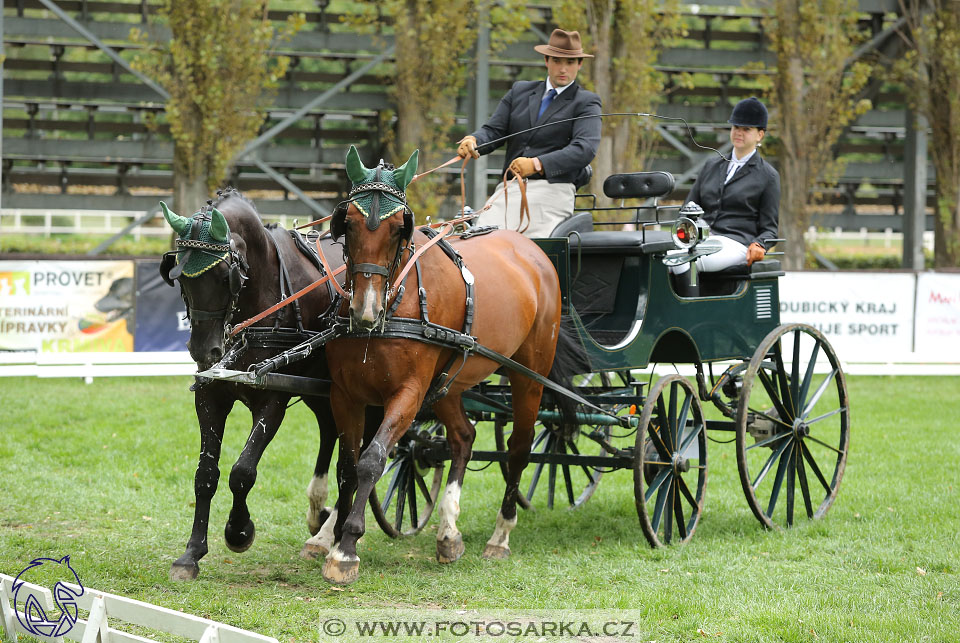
<point>49,222</point>
<point>106,613</point>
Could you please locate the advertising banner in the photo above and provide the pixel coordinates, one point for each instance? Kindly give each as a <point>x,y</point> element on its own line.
<point>938,314</point>
<point>863,315</point>
<point>161,313</point>
<point>66,306</point>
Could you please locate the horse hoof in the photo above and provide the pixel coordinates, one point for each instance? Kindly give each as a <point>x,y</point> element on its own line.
<point>341,572</point>
<point>450,550</point>
<point>184,572</point>
<point>496,552</point>
<point>313,551</point>
<point>240,541</point>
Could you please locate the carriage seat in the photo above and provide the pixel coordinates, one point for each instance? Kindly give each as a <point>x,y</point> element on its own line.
<point>728,280</point>
<point>622,242</point>
<point>638,185</point>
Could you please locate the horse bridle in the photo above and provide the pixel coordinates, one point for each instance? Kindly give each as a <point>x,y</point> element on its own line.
<point>373,222</point>
<point>170,270</point>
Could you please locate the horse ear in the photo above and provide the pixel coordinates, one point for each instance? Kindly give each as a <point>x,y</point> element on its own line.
<point>219,229</point>
<point>179,224</point>
<point>405,173</point>
<point>356,170</point>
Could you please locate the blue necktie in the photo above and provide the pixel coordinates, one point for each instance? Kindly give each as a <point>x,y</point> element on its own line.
<point>547,99</point>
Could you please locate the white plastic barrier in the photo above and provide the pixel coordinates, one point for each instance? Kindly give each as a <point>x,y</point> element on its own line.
<point>91,365</point>
<point>107,611</point>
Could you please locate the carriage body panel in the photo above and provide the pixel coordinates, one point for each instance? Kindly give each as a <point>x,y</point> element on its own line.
<point>628,316</point>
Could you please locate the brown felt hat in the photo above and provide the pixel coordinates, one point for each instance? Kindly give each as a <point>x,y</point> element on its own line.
<point>563,44</point>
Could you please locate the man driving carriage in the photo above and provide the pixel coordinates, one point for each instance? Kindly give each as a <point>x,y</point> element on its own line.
<point>554,161</point>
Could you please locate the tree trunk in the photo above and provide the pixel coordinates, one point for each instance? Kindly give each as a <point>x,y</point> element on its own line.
<point>189,192</point>
<point>599,19</point>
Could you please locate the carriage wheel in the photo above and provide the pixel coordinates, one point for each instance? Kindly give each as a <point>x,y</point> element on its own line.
<point>576,482</point>
<point>411,482</point>
<point>670,462</point>
<point>793,426</point>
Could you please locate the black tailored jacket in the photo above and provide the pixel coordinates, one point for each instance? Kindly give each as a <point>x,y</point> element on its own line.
<point>564,149</point>
<point>747,208</point>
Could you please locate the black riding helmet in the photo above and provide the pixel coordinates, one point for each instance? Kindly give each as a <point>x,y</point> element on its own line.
<point>749,112</point>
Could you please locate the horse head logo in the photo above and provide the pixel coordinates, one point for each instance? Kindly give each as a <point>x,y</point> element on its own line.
<point>31,613</point>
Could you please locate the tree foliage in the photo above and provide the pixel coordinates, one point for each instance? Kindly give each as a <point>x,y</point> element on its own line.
<point>626,37</point>
<point>433,42</point>
<point>931,71</point>
<point>815,95</point>
<point>219,73</point>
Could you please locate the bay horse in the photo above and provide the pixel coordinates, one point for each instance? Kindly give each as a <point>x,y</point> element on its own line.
<point>516,313</point>
<point>231,267</point>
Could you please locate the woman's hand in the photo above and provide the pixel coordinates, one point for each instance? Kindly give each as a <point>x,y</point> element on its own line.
<point>755,252</point>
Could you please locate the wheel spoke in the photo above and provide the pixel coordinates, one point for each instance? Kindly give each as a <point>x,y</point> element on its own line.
<point>586,470</point>
<point>401,497</point>
<point>774,396</point>
<point>656,437</point>
<point>822,443</point>
<point>819,392</point>
<point>791,484</point>
<point>688,440</point>
<point>842,409</point>
<point>778,481</point>
<point>782,379</point>
<point>672,423</point>
<point>795,371</point>
<point>664,420</point>
<point>551,483</point>
<point>769,463</point>
<point>422,483</point>
<point>808,376</point>
<point>412,494</point>
<point>682,418</point>
<point>685,490</point>
<point>535,480</point>
<point>813,465</point>
<point>678,511</point>
<point>804,485</point>
<point>661,500</point>
<point>764,414</point>
<point>571,499</point>
<point>655,484</point>
<point>391,488</point>
<point>770,440</point>
<point>668,521</point>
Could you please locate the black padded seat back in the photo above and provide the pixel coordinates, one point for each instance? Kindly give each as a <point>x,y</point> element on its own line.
<point>622,242</point>
<point>638,185</point>
<point>580,222</point>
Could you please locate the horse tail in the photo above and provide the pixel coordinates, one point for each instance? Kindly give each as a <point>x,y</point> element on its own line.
<point>569,360</point>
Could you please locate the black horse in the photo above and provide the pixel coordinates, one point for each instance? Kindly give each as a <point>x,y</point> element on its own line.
<point>231,267</point>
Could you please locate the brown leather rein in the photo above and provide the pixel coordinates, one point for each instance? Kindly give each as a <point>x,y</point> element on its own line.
<point>449,225</point>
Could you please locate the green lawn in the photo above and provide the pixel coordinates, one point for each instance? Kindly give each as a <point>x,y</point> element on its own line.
<point>104,472</point>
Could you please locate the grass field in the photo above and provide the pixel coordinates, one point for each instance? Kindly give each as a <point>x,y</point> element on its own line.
<point>104,472</point>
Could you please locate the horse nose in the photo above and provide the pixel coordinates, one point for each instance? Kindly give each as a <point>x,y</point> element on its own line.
<point>216,354</point>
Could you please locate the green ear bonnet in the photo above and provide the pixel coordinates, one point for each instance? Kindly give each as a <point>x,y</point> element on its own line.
<point>378,193</point>
<point>204,241</point>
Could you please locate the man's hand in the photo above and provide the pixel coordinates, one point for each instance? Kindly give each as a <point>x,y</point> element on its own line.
<point>523,167</point>
<point>468,147</point>
<point>755,252</point>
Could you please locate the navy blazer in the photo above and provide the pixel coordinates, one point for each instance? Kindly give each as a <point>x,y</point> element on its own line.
<point>565,149</point>
<point>747,208</point>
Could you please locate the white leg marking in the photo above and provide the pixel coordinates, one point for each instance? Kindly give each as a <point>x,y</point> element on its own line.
<point>337,555</point>
<point>501,534</point>
<point>449,512</point>
<point>317,495</point>
<point>324,537</point>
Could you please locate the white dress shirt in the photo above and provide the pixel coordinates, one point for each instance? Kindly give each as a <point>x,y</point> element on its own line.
<point>736,164</point>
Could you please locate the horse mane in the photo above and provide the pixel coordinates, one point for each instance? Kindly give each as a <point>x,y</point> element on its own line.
<point>226,194</point>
